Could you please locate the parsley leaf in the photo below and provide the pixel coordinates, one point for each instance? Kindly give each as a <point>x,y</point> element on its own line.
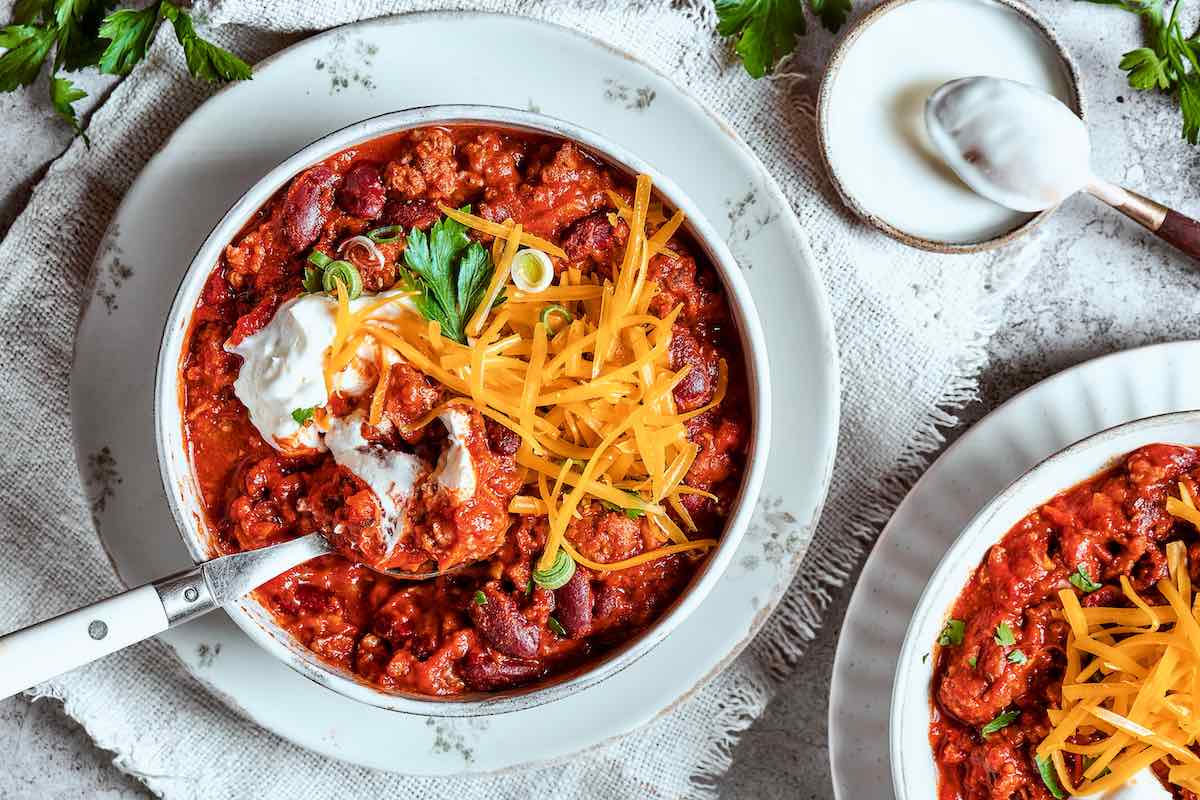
<point>1082,581</point>
<point>1017,657</point>
<point>1050,777</point>
<point>766,30</point>
<point>303,415</point>
<point>1004,635</point>
<point>973,660</point>
<point>480,598</point>
<point>129,34</point>
<point>953,633</point>
<point>832,13</point>
<point>28,10</point>
<point>62,94</point>
<point>1169,61</point>
<point>451,271</point>
<point>27,47</point>
<point>1002,721</point>
<point>204,59</point>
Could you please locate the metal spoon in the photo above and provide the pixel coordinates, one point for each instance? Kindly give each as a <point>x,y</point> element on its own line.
<point>1022,148</point>
<point>46,649</point>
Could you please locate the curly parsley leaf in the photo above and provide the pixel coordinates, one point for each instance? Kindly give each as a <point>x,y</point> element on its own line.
<point>27,47</point>
<point>1002,721</point>
<point>452,272</point>
<point>62,94</point>
<point>1082,581</point>
<point>952,634</point>
<point>204,59</point>
<point>1050,777</point>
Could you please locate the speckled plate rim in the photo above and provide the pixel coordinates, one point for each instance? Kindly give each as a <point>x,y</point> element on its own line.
<point>825,93</point>
<point>1064,408</point>
<point>823,425</point>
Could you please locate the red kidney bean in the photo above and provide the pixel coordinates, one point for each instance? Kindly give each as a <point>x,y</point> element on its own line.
<point>362,192</point>
<point>573,605</point>
<point>502,625</point>
<point>411,214</point>
<point>698,385</point>
<point>485,672</point>
<point>305,206</point>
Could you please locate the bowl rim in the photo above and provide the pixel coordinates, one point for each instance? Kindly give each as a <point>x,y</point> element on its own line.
<point>825,93</point>
<point>985,529</point>
<point>175,463</point>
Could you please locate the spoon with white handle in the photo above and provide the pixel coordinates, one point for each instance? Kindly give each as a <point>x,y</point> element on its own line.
<point>1022,148</point>
<point>42,651</point>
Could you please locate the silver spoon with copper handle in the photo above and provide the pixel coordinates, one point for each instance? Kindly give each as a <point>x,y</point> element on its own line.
<point>1022,148</point>
<point>31,655</point>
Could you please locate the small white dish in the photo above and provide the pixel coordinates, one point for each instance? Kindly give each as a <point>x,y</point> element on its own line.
<point>1049,416</point>
<point>870,113</point>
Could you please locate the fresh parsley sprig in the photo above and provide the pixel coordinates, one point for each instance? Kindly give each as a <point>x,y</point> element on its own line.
<point>766,30</point>
<point>83,33</point>
<point>1169,62</point>
<point>451,271</point>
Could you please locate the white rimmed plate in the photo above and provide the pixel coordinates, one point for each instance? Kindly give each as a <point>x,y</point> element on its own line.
<point>1060,410</point>
<point>352,73</point>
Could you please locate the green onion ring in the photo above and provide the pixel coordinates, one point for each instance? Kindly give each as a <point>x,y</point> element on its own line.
<point>556,626</point>
<point>319,259</point>
<point>556,310</point>
<point>312,280</point>
<point>558,574</point>
<point>387,234</point>
<point>346,273</point>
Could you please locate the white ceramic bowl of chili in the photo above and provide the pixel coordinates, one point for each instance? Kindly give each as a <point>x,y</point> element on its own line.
<point>183,492</point>
<point>914,771</point>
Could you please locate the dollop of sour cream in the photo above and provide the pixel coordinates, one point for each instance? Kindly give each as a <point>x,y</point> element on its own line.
<point>455,471</point>
<point>1015,145</point>
<point>283,366</point>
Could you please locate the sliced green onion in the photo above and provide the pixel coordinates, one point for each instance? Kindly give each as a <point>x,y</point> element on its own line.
<point>1000,722</point>
<point>1082,581</point>
<point>346,273</point>
<point>319,259</point>
<point>1017,657</point>
<point>1050,777</point>
<point>312,280</point>
<point>555,625</point>
<point>480,598</point>
<point>556,310</point>
<point>558,574</point>
<point>1004,635</point>
<point>532,270</point>
<point>387,234</point>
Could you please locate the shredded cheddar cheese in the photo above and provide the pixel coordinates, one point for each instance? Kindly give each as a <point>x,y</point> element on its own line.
<point>1131,686</point>
<point>591,398</point>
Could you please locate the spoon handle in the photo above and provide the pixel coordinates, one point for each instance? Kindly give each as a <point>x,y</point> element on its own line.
<point>1169,225</point>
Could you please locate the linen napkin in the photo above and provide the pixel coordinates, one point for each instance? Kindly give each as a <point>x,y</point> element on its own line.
<point>910,328</point>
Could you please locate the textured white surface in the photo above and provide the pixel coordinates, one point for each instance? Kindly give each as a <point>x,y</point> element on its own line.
<point>1101,287</point>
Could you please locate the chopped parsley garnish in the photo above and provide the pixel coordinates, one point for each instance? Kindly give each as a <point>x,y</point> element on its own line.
<point>1050,777</point>
<point>925,658</point>
<point>556,626</point>
<point>480,598</point>
<point>633,512</point>
<point>303,415</point>
<point>451,271</point>
<point>1082,581</point>
<point>83,33</point>
<point>1170,61</point>
<point>1004,635</point>
<point>952,634</point>
<point>1002,721</point>
<point>766,30</point>
<point>973,660</point>
<point>1017,657</point>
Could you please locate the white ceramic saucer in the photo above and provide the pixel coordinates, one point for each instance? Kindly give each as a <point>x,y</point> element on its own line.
<point>1076,403</point>
<point>348,74</point>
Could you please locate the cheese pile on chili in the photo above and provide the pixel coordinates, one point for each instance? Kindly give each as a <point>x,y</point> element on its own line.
<point>590,397</point>
<point>1132,682</point>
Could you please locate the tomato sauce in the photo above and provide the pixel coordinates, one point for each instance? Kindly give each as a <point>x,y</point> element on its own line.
<point>1010,656</point>
<point>487,626</point>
